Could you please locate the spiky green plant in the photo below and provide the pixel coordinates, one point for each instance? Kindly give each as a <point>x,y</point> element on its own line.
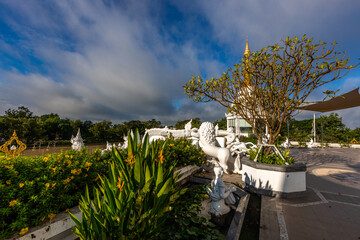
<point>133,202</point>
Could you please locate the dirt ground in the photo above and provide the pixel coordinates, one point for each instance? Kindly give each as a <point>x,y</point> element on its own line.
<point>47,150</point>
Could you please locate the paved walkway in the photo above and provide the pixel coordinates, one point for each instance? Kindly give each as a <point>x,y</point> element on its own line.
<point>330,208</point>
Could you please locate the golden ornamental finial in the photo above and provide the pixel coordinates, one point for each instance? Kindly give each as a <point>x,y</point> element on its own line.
<point>247,49</point>
<point>13,151</point>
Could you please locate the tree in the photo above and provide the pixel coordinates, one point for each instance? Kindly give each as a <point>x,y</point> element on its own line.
<point>21,112</point>
<point>50,124</point>
<point>152,124</point>
<point>268,85</point>
<point>101,130</point>
<point>334,129</point>
<point>135,124</point>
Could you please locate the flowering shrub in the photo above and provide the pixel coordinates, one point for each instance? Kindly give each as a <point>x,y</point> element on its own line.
<point>34,189</point>
<point>182,151</point>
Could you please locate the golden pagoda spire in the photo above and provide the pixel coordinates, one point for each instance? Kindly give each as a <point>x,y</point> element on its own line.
<point>247,49</point>
<point>246,58</point>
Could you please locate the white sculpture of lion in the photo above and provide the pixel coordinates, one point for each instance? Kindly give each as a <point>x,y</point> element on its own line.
<point>207,143</point>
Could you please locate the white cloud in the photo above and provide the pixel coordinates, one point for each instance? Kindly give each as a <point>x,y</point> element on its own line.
<point>102,62</point>
<point>120,61</point>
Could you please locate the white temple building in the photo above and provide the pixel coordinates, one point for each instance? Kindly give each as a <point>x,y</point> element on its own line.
<point>242,128</point>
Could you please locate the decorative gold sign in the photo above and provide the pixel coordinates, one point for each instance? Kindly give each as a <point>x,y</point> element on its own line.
<point>13,151</point>
<point>354,141</point>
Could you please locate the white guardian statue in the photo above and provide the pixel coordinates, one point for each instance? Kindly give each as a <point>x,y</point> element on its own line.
<point>220,194</point>
<point>208,144</point>
<point>77,142</point>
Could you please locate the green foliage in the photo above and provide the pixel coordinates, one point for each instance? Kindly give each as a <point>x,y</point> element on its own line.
<point>185,222</point>
<point>50,127</point>
<point>183,152</point>
<point>195,123</point>
<point>222,123</point>
<point>271,158</point>
<point>33,189</point>
<point>334,130</point>
<point>21,112</point>
<point>133,202</point>
<point>251,138</point>
<point>272,82</point>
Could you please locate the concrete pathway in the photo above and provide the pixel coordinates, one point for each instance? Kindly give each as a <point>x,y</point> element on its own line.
<point>330,208</point>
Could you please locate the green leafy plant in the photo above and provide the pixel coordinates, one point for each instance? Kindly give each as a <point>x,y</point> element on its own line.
<point>272,158</point>
<point>185,222</point>
<point>133,202</point>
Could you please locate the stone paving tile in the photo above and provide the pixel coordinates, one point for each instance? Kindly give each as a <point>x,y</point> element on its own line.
<point>341,198</point>
<point>326,221</point>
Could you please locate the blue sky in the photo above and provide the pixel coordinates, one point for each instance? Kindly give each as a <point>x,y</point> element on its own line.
<point>123,60</point>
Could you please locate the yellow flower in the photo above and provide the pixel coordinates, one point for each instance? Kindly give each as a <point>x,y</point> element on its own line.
<point>21,185</point>
<point>58,156</point>
<point>51,216</point>
<point>71,156</point>
<point>13,202</point>
<point>87,164</point>
<point>67,156</point>
<point>8,182</point>
<point>43,218</point>
<point>23,231</point>
<point>76,171</point>
<point>47,185</point>
<point>46,159</point>
<point>53,185</point>
<point>54,169</point>
<point>98,159</point>
<point>9,166</point>
<point>66,181</point>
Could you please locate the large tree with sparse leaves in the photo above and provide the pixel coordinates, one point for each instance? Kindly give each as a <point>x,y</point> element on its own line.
<point>267,86</point>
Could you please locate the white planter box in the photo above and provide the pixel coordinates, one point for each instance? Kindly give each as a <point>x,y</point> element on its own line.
<point>274,180</point>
